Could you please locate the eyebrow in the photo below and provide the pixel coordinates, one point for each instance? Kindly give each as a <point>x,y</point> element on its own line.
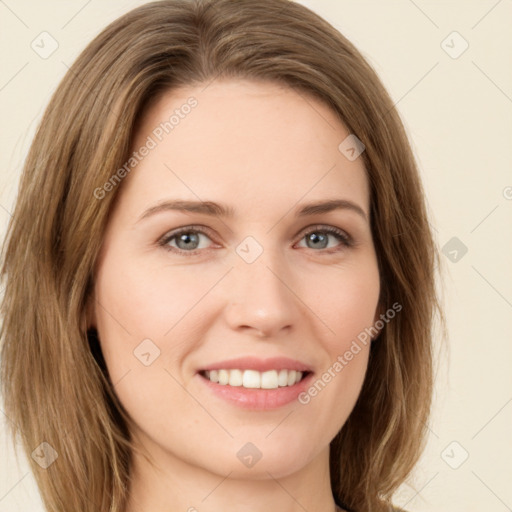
<point>216,209</point>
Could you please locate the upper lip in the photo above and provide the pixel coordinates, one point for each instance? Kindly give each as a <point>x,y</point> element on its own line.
<point>261,365</point>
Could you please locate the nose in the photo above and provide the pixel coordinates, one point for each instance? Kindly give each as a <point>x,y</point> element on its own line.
<point>261,298</point>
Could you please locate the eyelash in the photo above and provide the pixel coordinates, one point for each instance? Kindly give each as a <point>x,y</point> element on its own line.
<point>344,238</point>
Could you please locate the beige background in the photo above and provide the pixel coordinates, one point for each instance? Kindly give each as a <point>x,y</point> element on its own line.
<point>458,112</point>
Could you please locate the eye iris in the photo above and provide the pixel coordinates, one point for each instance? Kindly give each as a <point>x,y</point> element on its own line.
<point>189,239</point>
<point>314,238</point>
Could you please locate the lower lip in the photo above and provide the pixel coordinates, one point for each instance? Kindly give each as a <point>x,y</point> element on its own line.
<point>258,399</point>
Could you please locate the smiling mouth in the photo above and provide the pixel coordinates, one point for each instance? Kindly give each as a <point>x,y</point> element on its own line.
<point>253,379</point>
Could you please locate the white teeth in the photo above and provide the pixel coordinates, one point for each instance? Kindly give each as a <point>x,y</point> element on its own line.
<point>235,378</point>
<point>282,379</point>
<point>269,380</point>
<point>253,379</point>
<point>223,377</point>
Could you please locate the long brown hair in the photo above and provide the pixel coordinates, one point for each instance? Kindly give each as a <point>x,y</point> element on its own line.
<point>55,385</point>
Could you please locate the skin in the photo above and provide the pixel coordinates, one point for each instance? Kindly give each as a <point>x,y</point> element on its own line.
<point>264,150</point>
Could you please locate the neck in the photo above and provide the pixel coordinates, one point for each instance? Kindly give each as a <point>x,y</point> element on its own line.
<point>174,484</point>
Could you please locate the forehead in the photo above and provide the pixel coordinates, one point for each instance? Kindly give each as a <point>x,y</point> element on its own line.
<point>244,142</point>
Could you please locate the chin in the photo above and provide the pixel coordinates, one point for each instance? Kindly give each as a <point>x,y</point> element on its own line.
<point>256,456</point>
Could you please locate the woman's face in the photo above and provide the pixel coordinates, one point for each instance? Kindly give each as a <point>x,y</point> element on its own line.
<point>215,252</point>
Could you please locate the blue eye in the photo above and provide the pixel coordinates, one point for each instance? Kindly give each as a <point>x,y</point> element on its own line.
<point>193,239</point>
<point>318,238</point>
<point>186,240</point>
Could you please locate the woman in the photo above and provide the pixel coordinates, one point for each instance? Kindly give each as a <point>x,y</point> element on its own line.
<point>222,241</point>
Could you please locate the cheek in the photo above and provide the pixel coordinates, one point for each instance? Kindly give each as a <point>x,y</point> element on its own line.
<point>348,303</point>
<point>348,306</point>
<point>142,314</point>
<point>149,296</point>
<point>136,302</point>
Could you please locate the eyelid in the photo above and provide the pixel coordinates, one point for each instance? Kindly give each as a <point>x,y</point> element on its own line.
<point>344,238</point>
<point>184,229</point>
